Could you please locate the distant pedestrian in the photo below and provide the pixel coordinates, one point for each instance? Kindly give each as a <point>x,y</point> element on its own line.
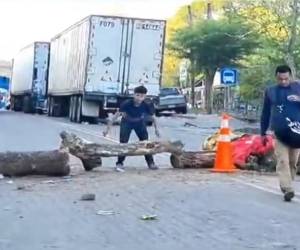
<point>135,115</point>
<point>281,110</point>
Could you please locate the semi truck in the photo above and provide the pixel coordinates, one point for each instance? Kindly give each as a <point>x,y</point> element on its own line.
<point>4,94</point>
<point>30,78</point>
<point>96,64</point>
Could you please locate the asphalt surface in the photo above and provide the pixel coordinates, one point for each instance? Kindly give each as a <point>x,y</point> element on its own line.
<point>195,209</point>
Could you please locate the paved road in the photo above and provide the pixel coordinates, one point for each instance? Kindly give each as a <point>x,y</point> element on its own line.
<point>195,209</point>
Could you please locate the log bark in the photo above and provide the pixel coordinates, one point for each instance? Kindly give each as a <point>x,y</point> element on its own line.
<point>91,153</point>
<point>51,163</point>
<point>201,159</point>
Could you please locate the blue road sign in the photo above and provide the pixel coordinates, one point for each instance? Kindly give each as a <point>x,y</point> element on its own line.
<point>229,76</point>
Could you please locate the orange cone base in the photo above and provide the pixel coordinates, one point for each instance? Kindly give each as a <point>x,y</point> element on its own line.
<point>224,170</point>
<point>224,162</point>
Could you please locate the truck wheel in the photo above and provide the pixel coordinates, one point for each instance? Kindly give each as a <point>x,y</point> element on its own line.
<point>27,105</point>
<point>12,103</point>
<point>50,106</point>
<point>78,102</point>
<point>72,109</point>
<point>17,106</point>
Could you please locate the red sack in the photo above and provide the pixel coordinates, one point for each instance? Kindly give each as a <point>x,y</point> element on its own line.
<point>250,145</point>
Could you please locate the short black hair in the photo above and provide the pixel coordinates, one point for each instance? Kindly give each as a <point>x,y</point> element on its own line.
<point>140,90</point>
<point>283,69</point>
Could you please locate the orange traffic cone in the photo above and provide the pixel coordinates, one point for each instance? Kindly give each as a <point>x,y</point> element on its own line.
<point>224,159</point>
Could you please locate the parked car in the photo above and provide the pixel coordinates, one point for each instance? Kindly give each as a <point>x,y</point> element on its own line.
<point>171,99</point>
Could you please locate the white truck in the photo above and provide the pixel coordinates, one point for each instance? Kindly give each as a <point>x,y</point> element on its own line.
<point>30,78</point>
<point>96,63</point>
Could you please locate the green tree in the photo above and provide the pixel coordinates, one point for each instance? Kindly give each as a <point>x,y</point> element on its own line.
<point>278,21</point>
<point>213,44</point>
<point>181,20</point>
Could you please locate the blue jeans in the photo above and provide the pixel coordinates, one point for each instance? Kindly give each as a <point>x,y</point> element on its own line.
<point>140,129</point>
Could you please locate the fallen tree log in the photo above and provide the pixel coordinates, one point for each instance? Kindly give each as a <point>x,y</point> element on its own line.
<point>201,159</point>
<point>52,163</point>
<point>91,153</point>
<point>205,159</point>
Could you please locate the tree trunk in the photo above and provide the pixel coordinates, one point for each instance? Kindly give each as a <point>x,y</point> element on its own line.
<point>91,153</point>
<point>193,72</point>
<point>208,91</point>
<point>290,58</point>
<point>201,159</point>
<point>52,163</point>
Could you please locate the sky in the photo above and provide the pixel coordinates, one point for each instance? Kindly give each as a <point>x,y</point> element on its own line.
<point>25,21</point>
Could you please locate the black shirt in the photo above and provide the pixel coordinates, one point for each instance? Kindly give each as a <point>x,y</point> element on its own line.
<point>270,102</point>
<point>136,113</point>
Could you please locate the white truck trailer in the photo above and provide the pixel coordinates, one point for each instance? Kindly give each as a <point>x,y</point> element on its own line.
<point>96,63</point>
<point>30,78</point>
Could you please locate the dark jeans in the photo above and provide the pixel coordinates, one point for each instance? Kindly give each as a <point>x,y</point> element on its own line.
<point>141,131</point>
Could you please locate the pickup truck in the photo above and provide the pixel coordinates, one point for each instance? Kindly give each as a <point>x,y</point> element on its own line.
<point>170,99</point>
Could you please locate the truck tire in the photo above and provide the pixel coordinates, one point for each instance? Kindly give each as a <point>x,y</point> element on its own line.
<point>50,106</point>
<point>28,105</point>
<point>72,109</point>
<point>16,104</point>
<point>78,102</point>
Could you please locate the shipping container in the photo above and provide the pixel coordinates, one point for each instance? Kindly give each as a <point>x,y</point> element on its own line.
<point>30,78</point>
<point>96,64</point>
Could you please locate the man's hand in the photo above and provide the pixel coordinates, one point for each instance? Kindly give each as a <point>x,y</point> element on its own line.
<point>264,140</point>
<point>294,98</point>
<point>110,123</point>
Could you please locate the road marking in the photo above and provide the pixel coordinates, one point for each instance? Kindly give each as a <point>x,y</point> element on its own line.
<point>259,187</point>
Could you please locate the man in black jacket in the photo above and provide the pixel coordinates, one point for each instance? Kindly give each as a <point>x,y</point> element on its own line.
<point>135,114</point>
<point>287,157</point>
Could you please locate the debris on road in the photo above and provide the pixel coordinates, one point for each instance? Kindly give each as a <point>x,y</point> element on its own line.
<point>192,117</point>
<point>49,182</point>
<point>21,187</point>
<point>248,151</point>
<point>188,124</point>
<point>105,212</point>
<point>88,197</point>
<point>149,217</point>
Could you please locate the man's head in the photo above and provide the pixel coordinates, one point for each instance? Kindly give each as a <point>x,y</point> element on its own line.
<point>283,75</point>
<point>140,94</point>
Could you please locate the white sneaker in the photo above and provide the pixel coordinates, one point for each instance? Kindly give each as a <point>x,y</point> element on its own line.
<point>120,168</point>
